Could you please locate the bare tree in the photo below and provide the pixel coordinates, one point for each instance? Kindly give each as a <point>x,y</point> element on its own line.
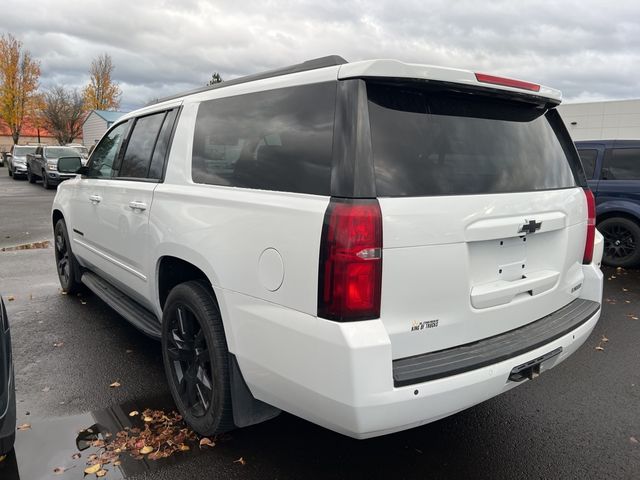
<point>102,93</point>
<point>63,113</point>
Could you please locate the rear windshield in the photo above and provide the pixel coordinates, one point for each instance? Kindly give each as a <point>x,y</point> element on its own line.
<point>427,142</point>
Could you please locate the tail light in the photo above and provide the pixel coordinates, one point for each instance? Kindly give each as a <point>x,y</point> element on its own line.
<point>591,226</point>
<point>507,82</point>
<point>350,273</point>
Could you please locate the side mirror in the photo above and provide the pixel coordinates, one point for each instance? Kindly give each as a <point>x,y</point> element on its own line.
<point>69,164</point>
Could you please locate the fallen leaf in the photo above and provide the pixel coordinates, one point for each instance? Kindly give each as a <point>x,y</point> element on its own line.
<point>129,351</point>
<point>633,439</point>
<point>627,301</point>
<point>95,468</point>
<point>2,457</point>
<point>184,448</point>
<point>116,463</point>
<point>24,426</point>
<point>146,449</point>
<point>625,290</point>
<point>58,344</point>
<point>10,298</point>
<point>83,302</point>
<point>206,442</point>
<point>599,348</point>
<point>148,419</point>
<point>63,292</point>
<point>115,385</point>
<point>101,473</point>
<point>92,457</point>
<point>134,413</point>
<point>605,339</point>
<point>76,456</point>
<point>241,461</point>
<point>46,389</point>
<point>59,470</point>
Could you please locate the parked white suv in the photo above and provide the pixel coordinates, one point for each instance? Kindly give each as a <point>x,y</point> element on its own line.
<point>370,246</point>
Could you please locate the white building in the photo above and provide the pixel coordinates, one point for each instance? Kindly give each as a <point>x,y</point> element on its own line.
<point>610,120</point>
<point>96,124</point>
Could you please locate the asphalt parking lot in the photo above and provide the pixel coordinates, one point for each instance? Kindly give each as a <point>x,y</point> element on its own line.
<point>579,420</point>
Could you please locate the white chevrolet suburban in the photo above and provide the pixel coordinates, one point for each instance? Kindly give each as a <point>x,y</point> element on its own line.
<point>370,246</point>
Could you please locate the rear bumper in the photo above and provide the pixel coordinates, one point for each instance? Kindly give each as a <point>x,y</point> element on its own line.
<point>340,375</point>
<point>464,358</point>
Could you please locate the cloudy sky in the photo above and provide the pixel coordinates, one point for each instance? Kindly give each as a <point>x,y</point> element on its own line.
<point>588,49</point>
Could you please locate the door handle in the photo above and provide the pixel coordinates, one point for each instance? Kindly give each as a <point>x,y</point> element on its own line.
<point>95,199</point>
<point>141,206</point>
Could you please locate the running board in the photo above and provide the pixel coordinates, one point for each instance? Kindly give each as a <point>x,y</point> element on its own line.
<point>132,311</point>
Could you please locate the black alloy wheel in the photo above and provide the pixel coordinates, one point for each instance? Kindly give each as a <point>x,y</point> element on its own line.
<point>621,240</point>
<point>195,355</point>
<point>189,354</point>
<point>65,261</point>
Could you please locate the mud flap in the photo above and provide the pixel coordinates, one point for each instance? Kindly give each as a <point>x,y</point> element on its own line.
<point>247,410</point>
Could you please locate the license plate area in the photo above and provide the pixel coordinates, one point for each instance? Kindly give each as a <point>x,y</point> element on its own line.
<point>531,369</point>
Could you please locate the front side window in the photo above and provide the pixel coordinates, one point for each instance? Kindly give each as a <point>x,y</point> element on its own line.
<point>137,157</point>
<point>622,164</point>
<point>274,140</point>
<point>103,156</point>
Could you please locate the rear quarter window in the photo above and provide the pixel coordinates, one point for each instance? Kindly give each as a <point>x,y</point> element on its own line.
<point>273,140</point>
<point>435,142</point>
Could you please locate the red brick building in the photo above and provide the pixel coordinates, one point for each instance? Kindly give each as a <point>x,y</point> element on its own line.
<point>29,134</point>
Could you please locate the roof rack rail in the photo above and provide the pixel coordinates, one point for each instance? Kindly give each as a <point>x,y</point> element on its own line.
<point>313,64</point>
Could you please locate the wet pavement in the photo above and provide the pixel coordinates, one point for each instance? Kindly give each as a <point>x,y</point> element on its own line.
<point>579,420</point>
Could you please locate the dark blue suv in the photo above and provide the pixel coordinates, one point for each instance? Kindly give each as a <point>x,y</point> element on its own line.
<point>613,171</point>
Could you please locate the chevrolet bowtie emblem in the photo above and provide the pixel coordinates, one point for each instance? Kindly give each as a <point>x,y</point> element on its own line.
<point>530,227</point>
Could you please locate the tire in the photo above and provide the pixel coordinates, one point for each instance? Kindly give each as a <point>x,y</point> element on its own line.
<point>66,264</point>
<point>30,176</point>
<point>45,181</point>
<point>191,321</point>
<point>621,242</point>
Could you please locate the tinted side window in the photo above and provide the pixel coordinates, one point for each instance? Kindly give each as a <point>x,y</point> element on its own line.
<point>103,156</point>
<point>275,140</point>
<point>588,158</point>
<point>428,141</point>
<point>137,157</point>
<point>162,146</point>
<point>622,164</point>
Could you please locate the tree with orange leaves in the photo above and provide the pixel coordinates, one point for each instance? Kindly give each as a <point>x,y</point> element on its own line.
<point>102,93</point>
<point>19,74</point>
